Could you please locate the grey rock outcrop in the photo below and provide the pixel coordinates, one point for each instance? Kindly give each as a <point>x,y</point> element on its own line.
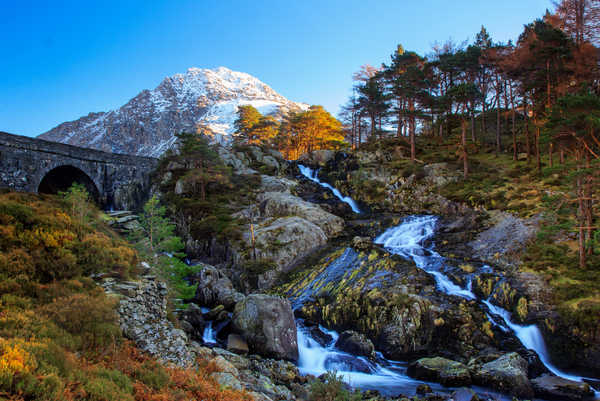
<point>143,319</point>
<point>279,204</point>
<point>215,288</point>
<point>557,388</point>
<point>507,373</point>
<point>507,235</point>
<point>355,343</point>
<point>445,371</point>
<point>267,323</point>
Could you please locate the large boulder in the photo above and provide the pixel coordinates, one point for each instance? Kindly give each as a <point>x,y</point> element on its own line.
<point>215,288</point>
<point>270,183</point>
<point>507,373</point>
<point>506,237</point>
<point>279,204</point>
<point>410,331</point>
<point>355,343</point>
<point>317,157</point>
<point>557,388</point>
<point>283,241</point>
<point>445,371</point>
<point>267,323</point>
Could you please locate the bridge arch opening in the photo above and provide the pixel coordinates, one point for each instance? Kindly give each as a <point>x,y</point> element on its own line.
<point>61,178</point>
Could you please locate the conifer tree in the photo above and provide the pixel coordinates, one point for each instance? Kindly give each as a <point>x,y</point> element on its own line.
<point>248,118</point>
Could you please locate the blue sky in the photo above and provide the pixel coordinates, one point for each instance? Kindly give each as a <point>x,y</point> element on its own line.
<point>64,59</point>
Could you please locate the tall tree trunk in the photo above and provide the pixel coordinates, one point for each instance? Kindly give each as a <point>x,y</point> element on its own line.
<point>473,137</point>
<point>498,138</point>
<point>483,128</point>
<point>412,131</point>
<point>538,157</point>
<point>588,201</point>
<point>464,148</point>
<point>550,152</point>
<point>359,132</point>
<point>548,83</point>
<point>373,124</point>
<point>527,133</point>
<point>581,214</point>
<point>514,128</point>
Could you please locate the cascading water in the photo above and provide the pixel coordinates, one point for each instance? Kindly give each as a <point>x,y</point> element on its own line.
<point>531,338</point>
<point>209,336</point>
<point>408,240</point>
<point>312,175</point>
<point>386,376</point>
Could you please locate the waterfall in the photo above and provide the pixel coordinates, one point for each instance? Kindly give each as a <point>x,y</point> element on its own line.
<point>408,240</point>
<point>531,338</point>
<point>312,175</point>
<point>388,377</point>
<point>209,336</point>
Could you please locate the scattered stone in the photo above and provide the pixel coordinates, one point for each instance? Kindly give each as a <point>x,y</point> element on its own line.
<point>237,344</point>
<point>214,288</point>
<point>143,319</point>
<point>194,320</point>
<point>424,389</point>
<point>464,394</point>
<point>227,380</point>
<point>445,371</point>
<point>356,344</point>
<point>362,243</point>
<point>557,388</point>
<point>225,366</point>
<point>319,336</point>
<point>508,374</point>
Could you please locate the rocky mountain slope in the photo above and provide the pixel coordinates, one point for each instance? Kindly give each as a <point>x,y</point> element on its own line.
<point>146,125</point>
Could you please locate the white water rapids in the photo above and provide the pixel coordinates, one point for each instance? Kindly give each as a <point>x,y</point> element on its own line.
<point>312,175</point>
<point>411,240</point>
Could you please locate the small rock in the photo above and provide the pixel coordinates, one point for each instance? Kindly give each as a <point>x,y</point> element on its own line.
<point>362,243</point>
<point>355,343</point>
<point>237,344</point>
<point>223,365</point>
<point>227,380</point>
<point>319,336</point>
<point>464,394</point>
<point>445,371</point>
<point>424,389</point>
<point>213,314</point>
<point>557,388</point>
<point>508,374</point>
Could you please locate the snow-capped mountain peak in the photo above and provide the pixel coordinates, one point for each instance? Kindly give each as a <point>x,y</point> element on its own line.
<point>147,124</point>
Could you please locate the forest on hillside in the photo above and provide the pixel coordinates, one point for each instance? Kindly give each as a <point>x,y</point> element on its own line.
<point>537,99</point>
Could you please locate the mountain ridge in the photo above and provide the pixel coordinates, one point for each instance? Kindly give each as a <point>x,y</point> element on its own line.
<point>146,125</point>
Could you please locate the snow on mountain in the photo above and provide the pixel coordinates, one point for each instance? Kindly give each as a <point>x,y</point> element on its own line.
<point>147,124</point>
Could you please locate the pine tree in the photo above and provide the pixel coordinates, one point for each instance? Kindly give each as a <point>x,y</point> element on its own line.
<point>248,118</point>
<point>158,230</point>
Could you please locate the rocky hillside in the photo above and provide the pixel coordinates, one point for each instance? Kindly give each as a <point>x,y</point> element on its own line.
<point>146,125</point>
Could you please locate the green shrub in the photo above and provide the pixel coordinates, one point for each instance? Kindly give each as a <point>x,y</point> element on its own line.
<point>332,388</point>
<point>103,389</point>
<point>152,375</point>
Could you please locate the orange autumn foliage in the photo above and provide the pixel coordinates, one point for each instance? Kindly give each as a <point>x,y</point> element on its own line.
<point>59,332</point>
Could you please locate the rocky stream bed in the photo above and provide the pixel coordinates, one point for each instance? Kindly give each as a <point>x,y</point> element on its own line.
<point>368,295</point>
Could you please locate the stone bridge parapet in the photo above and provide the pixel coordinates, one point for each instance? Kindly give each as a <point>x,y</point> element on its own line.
<point>35,165</point>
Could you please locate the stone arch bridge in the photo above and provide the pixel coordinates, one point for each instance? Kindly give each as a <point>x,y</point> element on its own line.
<point>35,165</point>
